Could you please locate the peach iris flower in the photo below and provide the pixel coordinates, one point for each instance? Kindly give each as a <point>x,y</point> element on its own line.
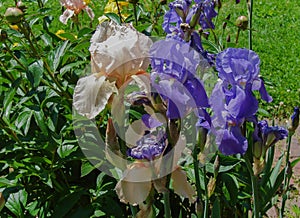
<point>74,7</point>
<point>117,53</point>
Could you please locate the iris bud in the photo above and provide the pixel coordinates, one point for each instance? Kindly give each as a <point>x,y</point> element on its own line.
<point>294,123</point>
<point>179,11</point>
<point>13,15</point>
<point>195,18</point>
<point>228,38</point>
<point>211,186</point>
<point>216,166</point>
<point>3,35</point>
<point>258,150</point>
<point>242,22</point>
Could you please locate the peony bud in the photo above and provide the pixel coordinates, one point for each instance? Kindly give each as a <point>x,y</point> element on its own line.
<point>242,22</point>
<point>13,15</point>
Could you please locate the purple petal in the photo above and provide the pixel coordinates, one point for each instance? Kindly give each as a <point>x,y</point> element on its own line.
<point>231,141</point>
<point>150,121</point>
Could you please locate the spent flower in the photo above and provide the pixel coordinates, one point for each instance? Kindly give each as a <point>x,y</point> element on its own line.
<point>74,7</point>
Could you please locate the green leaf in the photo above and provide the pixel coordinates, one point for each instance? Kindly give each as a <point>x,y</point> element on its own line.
<point>86,168</point>
<point>23,120</point>
<point>66,203</point>
<point>65,150</point>
<point>39,119</point>
<point>70,66</point>
<point>216,210</point>
<point>16,202</point>
<point>114,17</point>
<point>295,162</point>
<point>85,31</point>
<point>8,100</point>
<point>4,182</point>
<point>232,186</point>
<point>35,73</point>
<point>58,54</point>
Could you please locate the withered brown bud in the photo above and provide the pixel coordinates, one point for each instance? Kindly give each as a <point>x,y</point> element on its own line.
<point>163,2</point>
<point>3,35</point>
<point>228,17</point>
<point>228,38</point>
<point>13,15</point>
<point>242,22</point>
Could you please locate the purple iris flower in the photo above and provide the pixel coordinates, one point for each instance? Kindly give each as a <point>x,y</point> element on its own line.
<point>268,135</point>
<point>181,20</point>
<point>237,1</point>
<point>149,146</point>
<point>240,67</point>
<point>181,13</point>
<point>232,106</point>
<point>174,65</point>
<point>207,13</point>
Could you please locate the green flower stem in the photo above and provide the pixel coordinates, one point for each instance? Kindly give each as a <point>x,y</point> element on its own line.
<point>166,198</point>
<point>119,11</point>
<point>254,188</point>
<point>206,202</point>
<point>133,210</point>
<point>250,10</point>
<point>135,14</point>
<point>286,178</point>
<point>196,165</point>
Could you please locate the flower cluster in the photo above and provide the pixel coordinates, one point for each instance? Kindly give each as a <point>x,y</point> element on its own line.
<point>186,17</point>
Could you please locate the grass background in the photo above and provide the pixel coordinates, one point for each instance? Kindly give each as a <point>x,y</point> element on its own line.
<point>276,34</point>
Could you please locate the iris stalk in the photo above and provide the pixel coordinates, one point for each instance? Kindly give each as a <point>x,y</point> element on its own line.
<point>254,187</point>
<point>286,177</point>
<point>250,10</point>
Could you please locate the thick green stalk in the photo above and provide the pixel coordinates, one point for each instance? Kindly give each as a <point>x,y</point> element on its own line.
<point>166,198</point>
<point>254,188</point>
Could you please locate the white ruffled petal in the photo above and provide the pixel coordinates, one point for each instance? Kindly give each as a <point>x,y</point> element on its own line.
<point>91,95</point>
<point>66,16</point>
<point>119,50</point>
